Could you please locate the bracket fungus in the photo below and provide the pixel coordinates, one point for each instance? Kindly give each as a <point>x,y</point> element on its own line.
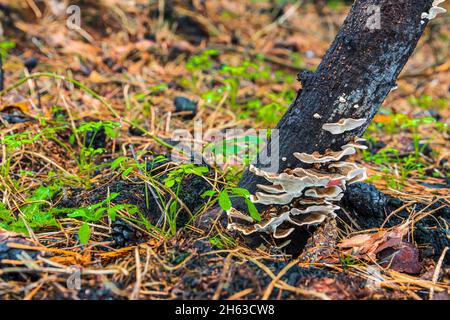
<point>330,193</point>
<point>343,125</point>
<point>354,145</point>
<point>303,196</point>
<point>434,10</point>
<point>316,157</point>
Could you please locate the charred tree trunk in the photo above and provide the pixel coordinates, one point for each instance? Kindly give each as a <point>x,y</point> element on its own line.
<point>353,79</point>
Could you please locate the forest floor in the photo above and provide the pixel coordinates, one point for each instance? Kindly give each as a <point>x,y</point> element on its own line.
<point>91,207</point>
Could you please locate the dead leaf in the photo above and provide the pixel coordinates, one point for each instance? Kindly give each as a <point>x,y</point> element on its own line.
<point>405,258</point>
<point>96,77</point>
<point>368,245</point>
<point>23,106</point>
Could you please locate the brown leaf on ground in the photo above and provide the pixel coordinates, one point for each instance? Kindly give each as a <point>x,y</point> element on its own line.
<point>368,245</point>
<point>405,258</point>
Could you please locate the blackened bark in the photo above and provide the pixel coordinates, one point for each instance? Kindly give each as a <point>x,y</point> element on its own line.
<point>362,64</point>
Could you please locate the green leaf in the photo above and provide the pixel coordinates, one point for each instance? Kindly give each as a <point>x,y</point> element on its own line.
<point>170,183</point>
<point>252,210</point>
<point>79,213</point>
<point>173,208</point>
<point>224,201</point>
<point>127,171</point>
<point>200,170</point>
<point>117,162</point>
<point>208,193</point>
<point>6,45</point>
<point>241,192</point>
<point>112,213</point>
<point>84,233</point>
<point>98,214</point>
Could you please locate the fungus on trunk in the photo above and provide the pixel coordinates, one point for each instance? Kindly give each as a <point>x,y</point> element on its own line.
<point>343,125</point>
<point>318,190</point>
<point>323,125</point>
<point>434,10</point>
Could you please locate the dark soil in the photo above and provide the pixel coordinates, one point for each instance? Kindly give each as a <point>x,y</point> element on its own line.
<point>202,283</point>
<point>96,138</point>
<point>369,208</point>
<point>183,104</point>
<point>12,115</point>
<point>86,292</point>
<point>8,253</point>
<point>134,192</point>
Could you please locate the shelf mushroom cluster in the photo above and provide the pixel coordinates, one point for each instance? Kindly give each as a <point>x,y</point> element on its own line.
<point>434,10</point>
<point>307,196</point>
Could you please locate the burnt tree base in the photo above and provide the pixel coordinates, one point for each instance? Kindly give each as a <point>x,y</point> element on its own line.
<point>352,81</point>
